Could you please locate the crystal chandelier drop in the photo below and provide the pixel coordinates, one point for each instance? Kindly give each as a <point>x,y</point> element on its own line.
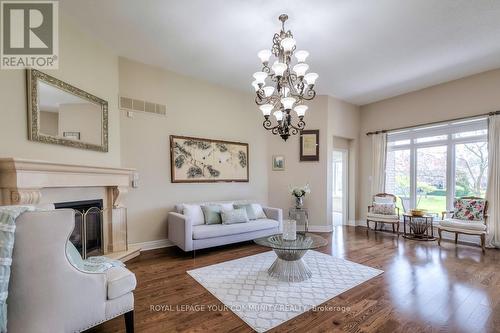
<point>289,84</point>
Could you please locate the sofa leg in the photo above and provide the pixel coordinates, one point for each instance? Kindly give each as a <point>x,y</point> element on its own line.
<point>456,237</point>
<point>393,228</point>
<point>439,238</point>
<point>397,228</point>
<point>129,321</point>
<point>483,240</point>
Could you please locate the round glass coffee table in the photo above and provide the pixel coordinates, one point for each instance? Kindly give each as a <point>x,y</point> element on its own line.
<point>289,265</point>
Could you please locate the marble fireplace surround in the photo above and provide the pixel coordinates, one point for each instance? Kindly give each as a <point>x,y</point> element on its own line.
<point>24,181</point>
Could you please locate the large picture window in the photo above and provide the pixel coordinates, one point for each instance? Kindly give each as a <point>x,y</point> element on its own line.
<point>428,167</point>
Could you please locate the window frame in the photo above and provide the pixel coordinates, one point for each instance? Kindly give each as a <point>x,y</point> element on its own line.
<point>449,129</point>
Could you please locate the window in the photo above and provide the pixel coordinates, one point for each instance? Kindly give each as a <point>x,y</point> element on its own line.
<point>431,179</point>
<point>398,176</point>
<point>428,167</point>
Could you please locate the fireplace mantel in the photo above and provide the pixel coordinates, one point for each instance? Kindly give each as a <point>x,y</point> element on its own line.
<point>22,182</point>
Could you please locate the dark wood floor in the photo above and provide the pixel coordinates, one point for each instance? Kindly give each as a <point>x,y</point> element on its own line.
<point>424,289</point>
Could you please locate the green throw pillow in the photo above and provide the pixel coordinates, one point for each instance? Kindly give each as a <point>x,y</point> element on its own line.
<point>74,256</point>
<point>248,208</point>
<point>212,214</point>
<point>234,216</point>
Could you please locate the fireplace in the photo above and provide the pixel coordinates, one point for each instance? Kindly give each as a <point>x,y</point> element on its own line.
<point>88,233</point>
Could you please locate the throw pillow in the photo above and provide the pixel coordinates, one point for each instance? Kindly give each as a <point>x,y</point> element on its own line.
<point>383,208</point>
<point>234,216</point>
<point>74,256</point>
<point>259,212</point>
<point>383,200</point>
<point>248,208</point>
<point>226,205</point>
<point>212,214</point>
<point>194,213</point>
<point>469,209</point>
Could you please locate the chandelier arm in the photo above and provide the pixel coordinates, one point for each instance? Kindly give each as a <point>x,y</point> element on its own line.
<point>309,95</point>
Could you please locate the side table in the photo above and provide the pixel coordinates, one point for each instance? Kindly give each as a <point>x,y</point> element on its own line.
<point>300,215</point>
<point>420,227</point>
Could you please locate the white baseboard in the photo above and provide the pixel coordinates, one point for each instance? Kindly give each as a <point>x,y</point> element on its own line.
<point>352,223</point>
<point>152,245</point>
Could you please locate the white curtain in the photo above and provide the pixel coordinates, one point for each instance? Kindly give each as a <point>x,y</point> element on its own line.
<point>379,149</point>
<point>493,191</point>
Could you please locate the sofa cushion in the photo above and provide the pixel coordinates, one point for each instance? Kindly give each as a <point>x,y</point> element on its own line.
<point>469,209</point>
<point>234,216</point>
<point>249,210</point>
<point>120,281</point>
<point>212,214</point>
<point>259,211</point>
<point>194,213</point>
<point>382,217</point>
<point>219,230</point>
<point>384,208</point>
<point>461,224</point>
<point>383,200</point>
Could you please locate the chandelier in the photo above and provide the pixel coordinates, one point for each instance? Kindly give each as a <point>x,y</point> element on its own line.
<point>289,86</point>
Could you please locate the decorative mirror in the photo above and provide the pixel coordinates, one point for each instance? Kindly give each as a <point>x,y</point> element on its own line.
<point>62,114</point>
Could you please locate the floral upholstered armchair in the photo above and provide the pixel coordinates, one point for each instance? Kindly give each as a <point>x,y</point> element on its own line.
<point>468,217</point>
<point>383,210</point>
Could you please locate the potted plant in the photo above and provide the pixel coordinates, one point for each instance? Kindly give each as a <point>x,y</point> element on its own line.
<point>299,192</point>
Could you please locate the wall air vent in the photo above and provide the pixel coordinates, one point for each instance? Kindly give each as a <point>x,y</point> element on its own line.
<point>137,105</point>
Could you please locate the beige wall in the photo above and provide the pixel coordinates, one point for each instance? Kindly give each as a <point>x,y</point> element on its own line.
<point>470,96</point>
<point>83,63</point>
<point>333,118</point>
<point>49,123</point>
<point>194,108</point>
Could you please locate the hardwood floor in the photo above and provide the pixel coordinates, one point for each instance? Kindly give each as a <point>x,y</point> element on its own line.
<point>424,288</point>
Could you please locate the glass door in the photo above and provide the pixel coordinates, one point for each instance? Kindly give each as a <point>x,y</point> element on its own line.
<point>339,187</point>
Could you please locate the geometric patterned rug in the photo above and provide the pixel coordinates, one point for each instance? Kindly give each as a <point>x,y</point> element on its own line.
<point>263,302</point>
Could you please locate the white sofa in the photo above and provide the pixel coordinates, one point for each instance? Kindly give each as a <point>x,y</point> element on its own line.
<point>47,294</point>
<point>189,235</point>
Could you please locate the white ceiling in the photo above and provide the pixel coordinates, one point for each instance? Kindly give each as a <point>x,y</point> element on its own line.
<point>363,50</point>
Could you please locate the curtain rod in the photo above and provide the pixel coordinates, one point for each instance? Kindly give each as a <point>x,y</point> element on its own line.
<point>434,123</point>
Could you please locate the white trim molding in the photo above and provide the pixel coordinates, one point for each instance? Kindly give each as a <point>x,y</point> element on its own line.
<point>152,245</point>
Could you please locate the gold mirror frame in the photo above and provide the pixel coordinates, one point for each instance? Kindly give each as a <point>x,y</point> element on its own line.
<point>34,134</point>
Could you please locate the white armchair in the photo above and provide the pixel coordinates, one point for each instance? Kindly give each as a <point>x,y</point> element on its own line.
<point>47,294</point>
<point>391,216</point>
<point>468,217</point>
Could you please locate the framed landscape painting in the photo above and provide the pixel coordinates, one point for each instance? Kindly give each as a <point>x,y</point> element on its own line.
<point>278,163</point>
<point>196,160</point>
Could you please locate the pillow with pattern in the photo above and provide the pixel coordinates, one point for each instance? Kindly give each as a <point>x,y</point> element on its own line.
<point>469,209</point>
<point>384,208</point>
<point>234,216</point>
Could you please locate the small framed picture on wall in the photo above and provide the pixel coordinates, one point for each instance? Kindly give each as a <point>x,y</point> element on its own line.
<point>278,163</point>
<point>309,145</point>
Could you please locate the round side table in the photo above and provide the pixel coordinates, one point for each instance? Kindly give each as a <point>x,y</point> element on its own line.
<point>420,227</point>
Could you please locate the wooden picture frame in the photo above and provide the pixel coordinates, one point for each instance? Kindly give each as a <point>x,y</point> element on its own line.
<point>278,163</point>
<point>199,160</point>
<point>309,145</point>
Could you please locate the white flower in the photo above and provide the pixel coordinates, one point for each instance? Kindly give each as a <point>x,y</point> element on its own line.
<point>299,191</point>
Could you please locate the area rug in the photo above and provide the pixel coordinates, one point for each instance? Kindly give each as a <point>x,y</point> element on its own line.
<point>263,302</point>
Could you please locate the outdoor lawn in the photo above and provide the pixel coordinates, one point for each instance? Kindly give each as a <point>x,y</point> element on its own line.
<point>432,203</point>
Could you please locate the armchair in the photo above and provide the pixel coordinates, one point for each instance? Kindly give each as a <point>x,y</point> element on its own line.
<point>390,214</point>
<point>468,217</point>
<point>48,294</point>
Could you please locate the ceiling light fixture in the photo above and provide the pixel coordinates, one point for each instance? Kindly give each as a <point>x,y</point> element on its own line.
<point>289,85</point>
